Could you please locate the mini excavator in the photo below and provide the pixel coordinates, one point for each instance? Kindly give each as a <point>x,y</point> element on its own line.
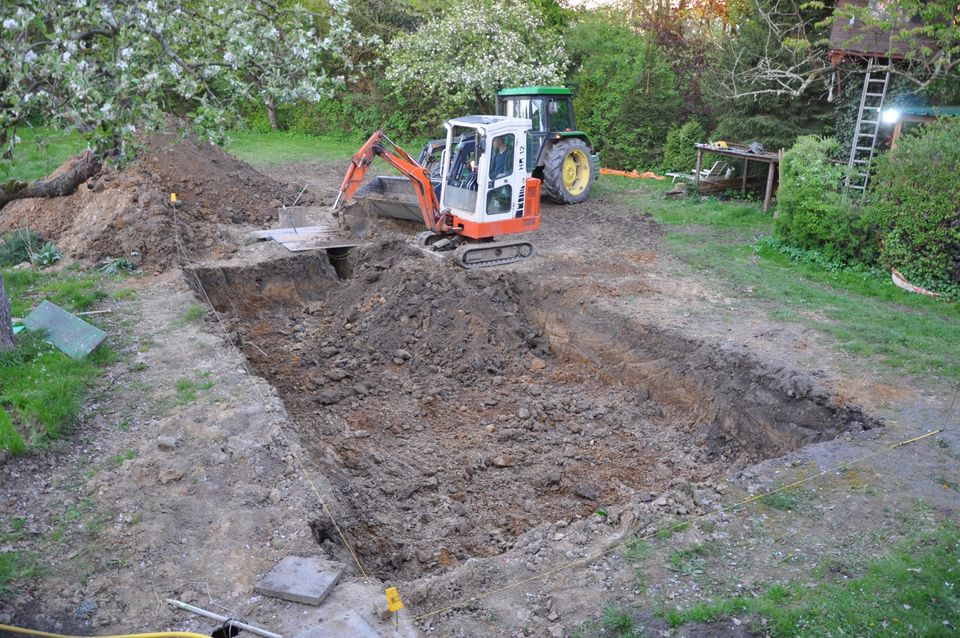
<point>483,192</point>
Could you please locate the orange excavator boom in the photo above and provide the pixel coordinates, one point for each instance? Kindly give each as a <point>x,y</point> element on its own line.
<point>379,145</point>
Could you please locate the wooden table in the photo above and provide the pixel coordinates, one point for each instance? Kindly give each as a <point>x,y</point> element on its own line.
<point>771,159</point>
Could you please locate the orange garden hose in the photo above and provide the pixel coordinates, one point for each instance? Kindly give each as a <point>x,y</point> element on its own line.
<point>631,174</point>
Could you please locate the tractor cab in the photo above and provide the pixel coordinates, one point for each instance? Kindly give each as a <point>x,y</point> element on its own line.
<point>556,152</point>
<point>547,108</point>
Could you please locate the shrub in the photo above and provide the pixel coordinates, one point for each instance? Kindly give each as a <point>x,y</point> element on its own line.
<point>679,153</point>
<point>780,128</point>
<point>915,200</point>
<point>16,247</point>
<point>47,256</point>
<point>116,266</point>
<point>627,97</point>
<point>347,116</point>
<point>814,213</point>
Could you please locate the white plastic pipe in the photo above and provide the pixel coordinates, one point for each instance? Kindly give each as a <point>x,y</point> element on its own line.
<point>218,617</point>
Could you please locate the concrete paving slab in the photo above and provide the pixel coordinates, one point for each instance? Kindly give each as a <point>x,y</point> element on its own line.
<point>346,624</point>
<point>301,579</point>
<point>352,593</point>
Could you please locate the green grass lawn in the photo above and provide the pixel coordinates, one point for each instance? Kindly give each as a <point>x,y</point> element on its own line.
<point>860,309</point>
<point>913,591</point>
<point>40,152</point>
<point>270,149</point>
<point>41,389</point>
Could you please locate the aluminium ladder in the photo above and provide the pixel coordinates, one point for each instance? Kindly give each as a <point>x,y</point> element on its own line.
<point>864,143</point>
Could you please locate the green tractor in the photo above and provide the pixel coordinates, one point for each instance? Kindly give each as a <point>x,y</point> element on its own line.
<point>557,153</point>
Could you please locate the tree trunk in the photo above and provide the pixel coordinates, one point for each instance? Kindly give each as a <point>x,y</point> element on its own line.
<point>6,325</point>
<point>272,114</point>
<point>63,182</point>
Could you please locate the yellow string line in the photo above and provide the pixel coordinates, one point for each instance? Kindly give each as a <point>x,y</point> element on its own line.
<point>263,399</point>
<point>156,634</point>
<point>592,557</point>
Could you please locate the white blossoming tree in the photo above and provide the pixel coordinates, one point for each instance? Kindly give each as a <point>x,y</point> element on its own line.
<point>108,68</point>
<point>456,62</point>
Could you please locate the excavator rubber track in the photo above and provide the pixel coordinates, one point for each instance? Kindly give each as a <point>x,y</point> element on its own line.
<point>496,253</point>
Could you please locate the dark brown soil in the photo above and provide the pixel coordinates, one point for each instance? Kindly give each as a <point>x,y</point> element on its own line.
<point>129,213</point>
<point>456,410</point>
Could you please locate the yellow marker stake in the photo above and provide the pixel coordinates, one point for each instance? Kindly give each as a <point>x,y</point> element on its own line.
<point>173,197</point>
<point>393,600</point>
<point>394,604</point>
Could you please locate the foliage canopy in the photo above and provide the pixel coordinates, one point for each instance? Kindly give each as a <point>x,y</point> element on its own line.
<point>679,153</point>
<point>108,68</point>
<point>455,62</point>
<point>627,94</point>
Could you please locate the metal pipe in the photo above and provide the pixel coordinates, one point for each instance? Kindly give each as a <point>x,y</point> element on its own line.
<point>218,617</point>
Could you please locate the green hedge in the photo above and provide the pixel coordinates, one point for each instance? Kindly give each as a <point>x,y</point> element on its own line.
<point>346,116</point>
<point>916,202</point>
<point>679,153</point>
<point>626,92</point>
<point>813,212</point>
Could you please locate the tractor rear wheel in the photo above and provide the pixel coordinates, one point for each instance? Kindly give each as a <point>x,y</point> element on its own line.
<point>567,176</point>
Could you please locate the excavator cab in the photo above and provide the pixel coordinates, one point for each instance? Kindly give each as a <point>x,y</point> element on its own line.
<point>485,184</point>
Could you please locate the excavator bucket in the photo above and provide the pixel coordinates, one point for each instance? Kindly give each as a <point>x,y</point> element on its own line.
<point>389,196</point>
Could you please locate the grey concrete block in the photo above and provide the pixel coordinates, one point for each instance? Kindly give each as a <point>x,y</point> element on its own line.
<point>301,579</point>
<point>347,624</point>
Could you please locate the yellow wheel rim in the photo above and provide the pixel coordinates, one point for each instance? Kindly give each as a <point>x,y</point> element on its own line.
<point>576,172</point>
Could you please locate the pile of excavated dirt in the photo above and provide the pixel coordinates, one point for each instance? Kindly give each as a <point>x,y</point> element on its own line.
<point>455,410</point>
<point>128,213</point>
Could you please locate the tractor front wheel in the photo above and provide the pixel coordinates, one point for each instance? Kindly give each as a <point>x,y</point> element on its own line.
<point>567,177</point>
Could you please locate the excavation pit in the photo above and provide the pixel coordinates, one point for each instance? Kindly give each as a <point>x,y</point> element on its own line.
<point>454,410</point>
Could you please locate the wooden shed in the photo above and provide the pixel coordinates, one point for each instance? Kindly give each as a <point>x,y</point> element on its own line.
<point>850,37</point>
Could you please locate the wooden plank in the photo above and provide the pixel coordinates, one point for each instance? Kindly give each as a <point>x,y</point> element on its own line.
<point>767,195</point>
<point>299,246</point>
<point>897,131</point>
<point>308,237</point>
<point>739,153</point>
<point>709,186</point>
<point>859,39</point>
<point>696,170</point>
<point>274,233</point>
